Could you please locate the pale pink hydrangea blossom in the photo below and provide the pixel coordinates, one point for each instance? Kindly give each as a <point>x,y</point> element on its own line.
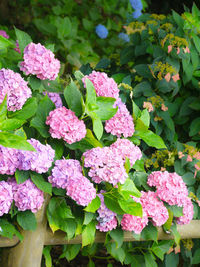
<point>122,122</point>
<point>134,223</point>
<point>81,190</point>
<point>63,171</point>
<point>39,161</point>
<point>40,61</point>
<point>4,34</point>
<point>188,212</point>
<point>107,220</point>
<point>8,160</point>
<point>6,197</point>
<point>15,87</point>
<point>103,85</point>
<point>148,106</point>
<point>55,98</point>
<point>126,149</point>
<point>64,124</point>
<point>105,165</point>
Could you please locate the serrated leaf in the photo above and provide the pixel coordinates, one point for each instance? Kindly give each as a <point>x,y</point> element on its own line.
<point>40,182</point>
<point>130,188</point>
<point>162,247</point>
<point>149,260</point>
<point>94,205</point>
<point>152,139</point>
<point>11,124</point>
<point>88,234</point>
<point>150,232</point>
<point>21,176</point>
<point>27,220</point>
<point>23,38</point>
<point>129,206</point>
<point>118,236</point>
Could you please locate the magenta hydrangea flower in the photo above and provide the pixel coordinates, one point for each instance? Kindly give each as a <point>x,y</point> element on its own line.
<point>188,212</point>
<point>55,98</point>
<point>6,197</point>
<point>134,223</point>
<point>27,196</point>
<point>81,190</point>
<point>15,87</point>
<point>40,61</point>
<point>39,161</point>
<point>4,34</point>
<point>170,187</point>
<point>107,220</point>
<point>105,165</point>
<point>8,160</point>
<point>122,122</point>
<point>64,124</point>
<point>103,85</point>
<point>17,49</point>
<point>127,149</point>
<point>63,171</point>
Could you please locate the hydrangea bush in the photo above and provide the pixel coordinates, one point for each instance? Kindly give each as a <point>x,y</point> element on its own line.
<point>85,153</point>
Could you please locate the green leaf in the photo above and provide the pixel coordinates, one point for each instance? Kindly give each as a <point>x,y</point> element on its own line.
<point>39,121</point>
<point>36,84</point>
<point>143,88</point>
<point>196,40</point>
<point>129,188</point>
<point>172,260</point>
<point>177,236</point>
<point>105,109</point>
<point>11,124</point>
<point>88,217</point>
<point>112,203</point>
<point>47,256</point>
<point>178,19</point>
<point>162,247</point>
<point>15,141</point>
<point>150,232</point>
<point>194,127</point>
<point>152,139</point>
<point>196,257</point>
<point>167,225</point>
<point>3,109</point>
<point>39,181</point>
<point>4,43</point>
<point>143,70</point>
<point>94,205</point>
<point>73,98</point>
<point>21,176</point>
<point>27,111</point>
<point>103,63</point>
<point>23,38</point>
<point>167,119</point>
<point>131,207</point>
<point>139,165</point>
<point>149,260</point>
<point>117,253</point>
<point>145,117</point>
<point>88,234</point>
<point>97,126</point>
<point>177,211</point>
<point>26,219</point>
<point>70,251</point>
<point>8,230</point>
<point>91,263</point>
<point>136,111</point>
<point>90,94</point>
<point>118,236</point>
<point>64,27</point>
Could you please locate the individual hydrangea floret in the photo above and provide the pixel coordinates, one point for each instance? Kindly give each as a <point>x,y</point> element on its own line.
<point>8,160</point>
<point>4,34</point>
<point>81,190</point>
<point>121,123</point>
<point>105,165</point>
<point>124,37</point>
<point>64,170</point>
<point>127,149</point>
<point>64,124</point>
<point>40,61</point>
<point>104,86</point>
<point>134,223</point>
<point>55,98</point>
<point>101,31</point>
<point>136,4</point>
<point>15,87</point>
<point>27,196</point>
<point>170,187</point>
<point>107,220</point>
<point>188,212</point>
<point>6,197</point>
<point>39,161</point>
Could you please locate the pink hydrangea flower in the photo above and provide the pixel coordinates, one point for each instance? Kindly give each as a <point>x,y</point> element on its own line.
<point>186,50</point>
<point>81,190</point>
<point>103,85</point>
<point>8,160</point>
<point>134,223</point>
<point>15,87</point>
<point>188,212</point>
<point>40,61</point>
<point>176,77</point>
<point>6,197</point>
<point>178,50</point>
<point>148,106</point>
<point>64,124</point>
<point>4,34</point>
<point>167,77</point>
<point>55,98</point>
<point>39,161</point>
<point>189,158</point>
<point>27,196</point>
<point>126,149</point>
<point>169,48</point>
<point>105,165</point>
<point>64,170</point>
<point>170,187</point>
<point>107,220</point>
<point>122,122</point>
<point>163,107</point>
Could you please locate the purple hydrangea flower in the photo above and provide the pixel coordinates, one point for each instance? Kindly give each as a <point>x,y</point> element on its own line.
<point>124,37</point>
<point>136,4</point>
<point>55,98</point>
<point>137,13</point>
<point>8,160</point>
<point>6,197</point>
<point>4,34</point>
<point>101,31</point>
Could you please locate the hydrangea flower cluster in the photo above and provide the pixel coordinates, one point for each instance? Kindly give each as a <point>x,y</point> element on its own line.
<point>39,161</point>
<point>67,174</point>
<point>188,212</point>
<point>26,195</point>
<point>101,31</point>
<point>55,98</point>
<point>64,124</point>
<point>6,197</point>
<point>8,160</point>
<point>103,85</point>
<point>105,165</point>
<point>137,5</point>
<point>107,220</point>
<point>15,87</point>
<point>134,223</point>
<point>124,37</point>
<point>40,61</point>
<point>122,122</point>
<point>127,149</point>
<point>4,34</point>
